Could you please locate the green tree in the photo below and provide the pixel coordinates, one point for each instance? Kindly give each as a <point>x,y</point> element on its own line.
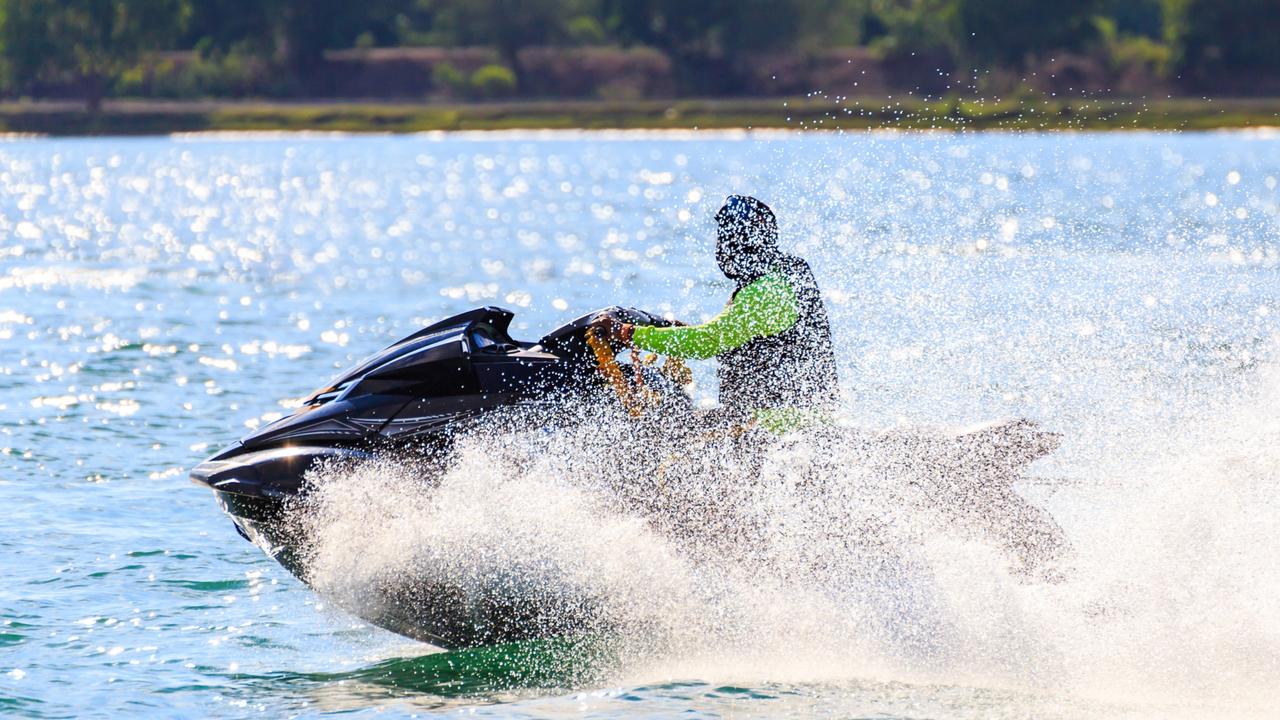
<point>493,81</point>
<point>907,26</point>
<point>707,40</point>
<point>292,35</point>
<point>226,24</point>
<point>833,23</point>
<point>1217,38</point>
<point>93,41</point>
<point>1006,32</point>
<point>1143,18</point>
<point>507,25</point>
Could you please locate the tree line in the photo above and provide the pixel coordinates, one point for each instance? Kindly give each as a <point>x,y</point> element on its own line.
<point>96,46</point>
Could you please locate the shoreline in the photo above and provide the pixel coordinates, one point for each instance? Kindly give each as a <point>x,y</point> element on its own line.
<point>156,118</point>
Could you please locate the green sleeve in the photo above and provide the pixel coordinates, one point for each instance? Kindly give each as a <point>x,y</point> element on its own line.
<point>766,307</point>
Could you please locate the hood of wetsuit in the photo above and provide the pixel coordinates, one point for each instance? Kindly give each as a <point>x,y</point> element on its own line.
<point>746,239</point>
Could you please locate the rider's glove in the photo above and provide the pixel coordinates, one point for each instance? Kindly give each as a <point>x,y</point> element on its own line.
<point>610,330</point>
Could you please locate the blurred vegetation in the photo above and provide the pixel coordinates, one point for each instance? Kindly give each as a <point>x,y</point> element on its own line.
<point>92,42</point>
<point>133,118</point>
<point>632,49</point>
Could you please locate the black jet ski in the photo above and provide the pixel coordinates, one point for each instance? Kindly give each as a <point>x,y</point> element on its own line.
<point>466,374</point>
<point>415,397</point>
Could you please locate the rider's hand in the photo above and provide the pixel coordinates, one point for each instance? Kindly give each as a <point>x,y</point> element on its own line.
<point>610,330</point>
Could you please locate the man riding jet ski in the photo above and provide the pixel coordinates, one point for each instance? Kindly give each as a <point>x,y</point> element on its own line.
<point>466,378</point>
<point>778,373</point>
<point>773,339</point>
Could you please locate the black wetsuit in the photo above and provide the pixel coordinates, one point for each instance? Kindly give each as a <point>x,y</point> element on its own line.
<point>793,369</point>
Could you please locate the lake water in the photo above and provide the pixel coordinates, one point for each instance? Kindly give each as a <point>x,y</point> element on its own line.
<point>158,297</point>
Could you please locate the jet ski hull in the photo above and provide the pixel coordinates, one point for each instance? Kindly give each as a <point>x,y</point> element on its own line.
<point>415,396</point>
<point>440,614</point>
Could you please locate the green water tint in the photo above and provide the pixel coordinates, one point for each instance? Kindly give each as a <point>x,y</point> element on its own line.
<point>485,672</point>
<point>209,585</point>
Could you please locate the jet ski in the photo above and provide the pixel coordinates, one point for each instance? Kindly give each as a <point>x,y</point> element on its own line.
<point>415,397</point>
<point>466,375</point>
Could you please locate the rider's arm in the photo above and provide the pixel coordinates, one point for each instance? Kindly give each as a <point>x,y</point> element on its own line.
<point>766,307</point>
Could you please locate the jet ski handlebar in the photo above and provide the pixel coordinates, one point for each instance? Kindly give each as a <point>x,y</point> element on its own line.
<point>633,316</point>
<point>629,384</point>
<point>571,336</point>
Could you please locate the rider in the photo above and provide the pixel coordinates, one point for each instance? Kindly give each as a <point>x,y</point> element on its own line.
<point>777,364</point>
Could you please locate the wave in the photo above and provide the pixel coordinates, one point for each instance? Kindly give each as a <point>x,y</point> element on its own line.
<point>1163,598</point>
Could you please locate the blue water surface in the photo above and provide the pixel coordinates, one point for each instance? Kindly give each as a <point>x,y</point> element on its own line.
<point>161,296</point>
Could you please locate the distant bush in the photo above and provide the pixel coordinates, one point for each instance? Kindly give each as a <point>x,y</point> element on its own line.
<point>234,73</point>
<point>585,30</point>
<point>445,78</point>
<point>1135,62</point>
<point>579,72</point>
<point>138,80</point>
<point>1138,64</point>
<point>493,81</point>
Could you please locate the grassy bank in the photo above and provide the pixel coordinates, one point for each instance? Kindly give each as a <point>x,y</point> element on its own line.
<point>151,118</point>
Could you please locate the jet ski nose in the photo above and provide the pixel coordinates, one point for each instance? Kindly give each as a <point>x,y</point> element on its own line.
<point>275,472</point>
<point>229,475</point>
<point>204,473</point>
